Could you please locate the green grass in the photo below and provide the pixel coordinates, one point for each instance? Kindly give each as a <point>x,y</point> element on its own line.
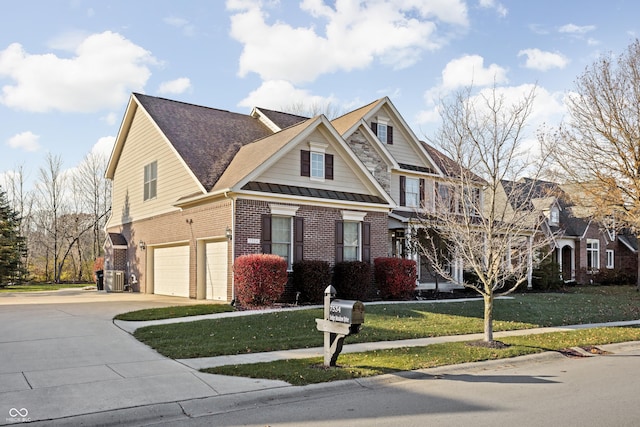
<point>173,312</point>
<point>297,329</point>
<point>358,365</point>
<point>42,287</point>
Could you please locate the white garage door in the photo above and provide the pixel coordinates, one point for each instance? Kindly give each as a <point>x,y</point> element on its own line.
<point>171,271</point>
<point>216,265</point>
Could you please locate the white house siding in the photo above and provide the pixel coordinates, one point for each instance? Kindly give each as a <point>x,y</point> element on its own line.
<point>143,145</point>
<point>287,171</point>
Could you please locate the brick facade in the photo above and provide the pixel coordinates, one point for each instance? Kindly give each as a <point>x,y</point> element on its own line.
<point>319,235</point>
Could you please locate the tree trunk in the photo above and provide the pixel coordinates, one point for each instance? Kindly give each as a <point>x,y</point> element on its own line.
<point>488,318</point>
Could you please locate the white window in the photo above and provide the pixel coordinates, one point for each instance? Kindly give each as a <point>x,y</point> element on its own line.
<point>351,236</point>
<point>281,238</point>
<point>555,216</point>
<point>593,254</point>
<point>382,132</point>
<point>412,192</point>
<point>610,258</point>
<point>151,180</point>
<point>317,165</point>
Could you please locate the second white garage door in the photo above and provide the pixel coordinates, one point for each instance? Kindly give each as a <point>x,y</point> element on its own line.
<point>171,271</point>
<point>216,265</point>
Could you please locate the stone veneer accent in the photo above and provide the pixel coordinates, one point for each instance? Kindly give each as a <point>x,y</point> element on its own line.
<point>371,159</point>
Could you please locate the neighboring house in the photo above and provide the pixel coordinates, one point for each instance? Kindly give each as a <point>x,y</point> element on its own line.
<point>196,187</point>
<point>582,246</point>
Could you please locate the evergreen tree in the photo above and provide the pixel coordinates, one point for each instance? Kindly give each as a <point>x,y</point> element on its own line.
<point>12,244</point>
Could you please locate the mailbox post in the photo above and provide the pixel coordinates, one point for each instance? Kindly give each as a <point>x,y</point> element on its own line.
<point>341,319</point>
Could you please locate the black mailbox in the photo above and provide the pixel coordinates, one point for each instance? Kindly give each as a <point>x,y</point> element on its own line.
<point>346,311</point>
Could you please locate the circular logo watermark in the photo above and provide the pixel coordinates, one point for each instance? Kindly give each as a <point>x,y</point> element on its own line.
<point>18,415</point>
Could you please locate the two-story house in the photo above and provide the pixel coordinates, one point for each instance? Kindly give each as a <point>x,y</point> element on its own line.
<point>195,187</point>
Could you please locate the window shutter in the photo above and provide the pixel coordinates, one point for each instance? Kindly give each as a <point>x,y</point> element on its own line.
<point>328,166</point>
<point>366,241</point>
<point>298,239</point>
<point>374,128</point>
<point>305,163</point>
<point>422,187</point>
<point>339,241</point>
<point>266,234</point>
<point>403,188</point>
<point>390,135</point>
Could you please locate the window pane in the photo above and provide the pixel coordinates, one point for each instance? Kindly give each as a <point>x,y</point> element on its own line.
<point>281,237</point>
<point>382,132</point>
<point>351,241</point>
<point>412,192</point>
<point>317,165</point>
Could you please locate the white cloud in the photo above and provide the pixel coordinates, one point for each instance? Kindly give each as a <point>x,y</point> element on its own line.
<point>492,4</point>
<point>106,67</point>
<point>174,87</point>
<point>104,146</point>
<point>110,119</point>
<point>469,70</point>
<point>466,71</point>
<point>356,33</point>
<point>187,28</point>
<point>281,95</point>
<point>543,61</point>
<point>27,141</point>
<point>575,29</point>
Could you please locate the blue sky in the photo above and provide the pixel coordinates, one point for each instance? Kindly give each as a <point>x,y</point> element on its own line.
<point>67,67</point>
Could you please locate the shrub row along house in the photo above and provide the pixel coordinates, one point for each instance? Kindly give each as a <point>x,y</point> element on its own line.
<point>196,187</point>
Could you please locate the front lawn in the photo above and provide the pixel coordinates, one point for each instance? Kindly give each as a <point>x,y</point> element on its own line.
<point>358,365</point>
<point>297,329</point>
<point>38,287</point>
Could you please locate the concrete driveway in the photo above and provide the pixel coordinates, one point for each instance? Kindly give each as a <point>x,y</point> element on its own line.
<point>61,355</point>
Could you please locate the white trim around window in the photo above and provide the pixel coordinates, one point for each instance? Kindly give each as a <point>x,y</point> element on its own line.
<point>610,258</point>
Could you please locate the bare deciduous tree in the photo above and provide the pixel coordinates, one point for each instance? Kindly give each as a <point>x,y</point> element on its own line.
<point>598,147</point>
<point>480,218</point>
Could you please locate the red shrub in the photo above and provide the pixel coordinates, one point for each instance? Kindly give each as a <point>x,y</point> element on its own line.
<point>395,277</point>
<point>259,279</point>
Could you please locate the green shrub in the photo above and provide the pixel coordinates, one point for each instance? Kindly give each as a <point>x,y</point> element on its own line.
<point>547,276</point>
<point>353,280</point>
<point>259,279</point>
<point>395,278</point>
<point>311,278</point>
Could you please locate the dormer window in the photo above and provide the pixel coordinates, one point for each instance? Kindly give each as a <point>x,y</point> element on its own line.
<point>315,163</point>
<point>383,131</point>
<point>554,217</point>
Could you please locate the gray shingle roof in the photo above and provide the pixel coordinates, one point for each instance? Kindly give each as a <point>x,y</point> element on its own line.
<point>282,120</point>
<point>206,138</point>
<point>312,192</point>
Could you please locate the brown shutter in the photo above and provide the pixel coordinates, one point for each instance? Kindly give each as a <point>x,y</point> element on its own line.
<point>328,166</point>
<point>374,128</point>
<point>266,234</point>
<point>390,135</point>
<point>422,187</point>
<point>298,239</point>
<point>339,241</point>
<point>366,241</point>
<point>305,163</point>
<point>403,189</point>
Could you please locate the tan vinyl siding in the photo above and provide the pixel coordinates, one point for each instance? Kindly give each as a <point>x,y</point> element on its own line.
<point>145,144</point>
<point>287,171</point>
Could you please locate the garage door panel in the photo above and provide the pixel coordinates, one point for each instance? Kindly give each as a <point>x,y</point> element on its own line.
<point>171,271</point>
<point>216,270</point>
